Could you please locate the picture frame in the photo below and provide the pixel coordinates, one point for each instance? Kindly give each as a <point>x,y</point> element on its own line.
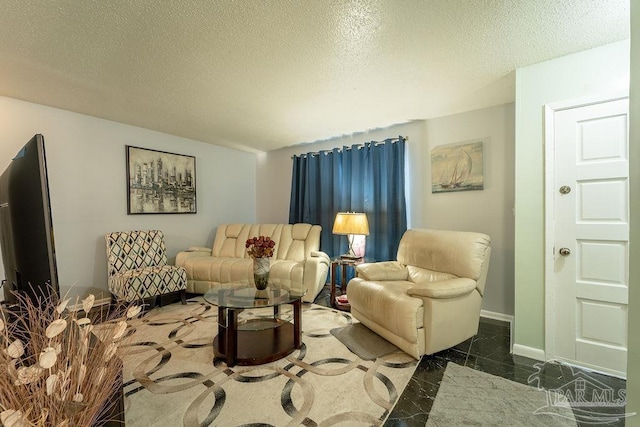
<point>457,167</point>
<point>159,182</point>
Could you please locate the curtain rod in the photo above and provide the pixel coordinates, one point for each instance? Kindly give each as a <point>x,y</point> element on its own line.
<point>316,153</point>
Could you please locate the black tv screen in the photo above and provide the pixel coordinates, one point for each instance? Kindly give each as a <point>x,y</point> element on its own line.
<point>26,229</point>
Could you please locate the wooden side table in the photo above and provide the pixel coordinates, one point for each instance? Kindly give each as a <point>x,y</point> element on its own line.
<point>343,263</point>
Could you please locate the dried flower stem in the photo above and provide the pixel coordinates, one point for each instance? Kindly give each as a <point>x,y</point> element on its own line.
<point>66,392</point>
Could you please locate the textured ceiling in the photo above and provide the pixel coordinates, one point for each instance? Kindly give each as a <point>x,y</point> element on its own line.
<point>260,75</point>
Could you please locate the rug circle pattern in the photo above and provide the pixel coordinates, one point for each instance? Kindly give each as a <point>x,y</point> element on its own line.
<point>171,377</point>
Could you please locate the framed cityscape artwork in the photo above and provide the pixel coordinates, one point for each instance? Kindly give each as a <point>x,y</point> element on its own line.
<point>159,182</point>
<point>457,167</point>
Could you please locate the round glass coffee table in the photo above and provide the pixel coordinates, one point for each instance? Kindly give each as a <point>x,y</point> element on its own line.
<point>255,340</point>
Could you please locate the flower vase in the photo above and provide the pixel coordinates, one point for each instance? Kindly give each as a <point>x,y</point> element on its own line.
<point>261,272</point>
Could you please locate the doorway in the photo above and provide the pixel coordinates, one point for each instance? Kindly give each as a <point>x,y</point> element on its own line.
<point>587,233</point>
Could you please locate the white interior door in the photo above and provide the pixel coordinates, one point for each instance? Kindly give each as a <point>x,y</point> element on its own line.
<point>590,252</point>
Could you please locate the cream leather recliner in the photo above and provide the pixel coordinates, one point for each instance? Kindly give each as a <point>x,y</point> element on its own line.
<point>430,298</point>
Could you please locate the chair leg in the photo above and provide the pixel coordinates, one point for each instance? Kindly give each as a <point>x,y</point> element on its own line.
<point>150,302</point>
<point>112,304</point>
<point>183,297</point>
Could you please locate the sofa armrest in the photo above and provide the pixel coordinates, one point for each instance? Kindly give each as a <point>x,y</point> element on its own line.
<point>315,266</point>
<point>443,289</point>
<point>181,257</point>
<point>199,249</point>
<point>316,270</point>
<point>383,271</point>
<point>320,254</point>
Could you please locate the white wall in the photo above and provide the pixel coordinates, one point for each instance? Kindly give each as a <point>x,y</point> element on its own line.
<point>490,210</point>
<point>87,180</point>
<point>602,70</point>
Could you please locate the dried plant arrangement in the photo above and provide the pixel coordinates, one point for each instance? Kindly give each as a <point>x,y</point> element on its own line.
<point>54,370</point>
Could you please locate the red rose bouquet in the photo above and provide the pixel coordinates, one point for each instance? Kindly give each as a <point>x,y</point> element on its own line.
<point>260,247</point>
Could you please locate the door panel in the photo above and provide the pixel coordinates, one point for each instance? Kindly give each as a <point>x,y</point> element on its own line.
<point>602,261</point>
<point>602,138</point>
<point>602,322</point>
<point>590,282</point>
<point>602,200</point>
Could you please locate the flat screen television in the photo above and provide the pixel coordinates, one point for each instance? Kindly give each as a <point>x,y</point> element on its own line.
<point>26,228</point>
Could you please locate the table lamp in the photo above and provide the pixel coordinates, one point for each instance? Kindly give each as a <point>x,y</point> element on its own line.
<point>352,224</point>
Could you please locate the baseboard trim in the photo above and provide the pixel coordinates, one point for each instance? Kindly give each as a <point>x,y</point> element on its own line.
<point>496,316</point>
<point>96,303</point>
<point>530,352</point>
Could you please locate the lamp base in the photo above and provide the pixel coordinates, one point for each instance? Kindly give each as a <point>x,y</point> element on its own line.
<point>356,247</point>
<point>349,256</point>
<point>352,255</point>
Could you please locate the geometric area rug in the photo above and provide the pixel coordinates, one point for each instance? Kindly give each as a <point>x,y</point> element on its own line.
<point>172,379</point>
<point>467,397</point>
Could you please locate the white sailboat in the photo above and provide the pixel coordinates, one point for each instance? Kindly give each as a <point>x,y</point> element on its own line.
<point>457,171</point>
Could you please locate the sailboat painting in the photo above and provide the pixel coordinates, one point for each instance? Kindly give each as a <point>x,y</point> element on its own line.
<point>457,167</point>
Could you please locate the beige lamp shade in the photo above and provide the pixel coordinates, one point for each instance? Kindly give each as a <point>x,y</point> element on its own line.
<point>351,223</point>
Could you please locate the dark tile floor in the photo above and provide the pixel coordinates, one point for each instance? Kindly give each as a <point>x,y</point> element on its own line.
<point>489,352</point>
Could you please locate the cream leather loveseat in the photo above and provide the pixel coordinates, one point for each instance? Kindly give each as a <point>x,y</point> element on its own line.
<point>297,257</point>
<point>429,299</point>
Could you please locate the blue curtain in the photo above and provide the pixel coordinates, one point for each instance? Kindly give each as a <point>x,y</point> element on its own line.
<point>365,178</point>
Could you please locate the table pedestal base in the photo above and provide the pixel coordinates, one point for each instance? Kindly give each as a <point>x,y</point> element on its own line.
<point>240,344</point>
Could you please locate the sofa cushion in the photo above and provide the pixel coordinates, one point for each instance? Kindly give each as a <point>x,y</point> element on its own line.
<point>131,250</point>
<point>218,269</point>
<point>422,275</point>
<point>288,270</point>
<point>385,270</point>
<point>293,241</point>
<point>459,253</point>
<point>148,282</point>
<point>225,270</point>
<point>389,304</point>
<point>443,289</point>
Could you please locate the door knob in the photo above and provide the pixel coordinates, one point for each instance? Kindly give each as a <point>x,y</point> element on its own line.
<point>565,189</point>
<point>565,251</point>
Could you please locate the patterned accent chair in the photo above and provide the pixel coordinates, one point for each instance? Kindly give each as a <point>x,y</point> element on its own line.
<point>137,267</point>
